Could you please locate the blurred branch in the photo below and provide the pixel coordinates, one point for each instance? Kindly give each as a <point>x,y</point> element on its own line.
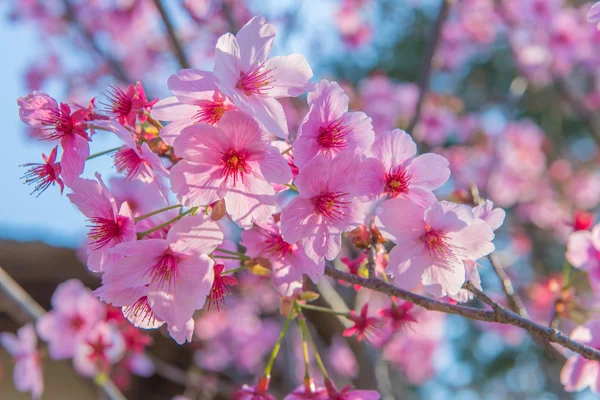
<point>113,63</point>
<point>427,61</point>
<point>514,300</point>
<point>176,45</point>
<point>498,314</point>
<point>577,103</point>
<point>226,8</point>
<point>26,309</point>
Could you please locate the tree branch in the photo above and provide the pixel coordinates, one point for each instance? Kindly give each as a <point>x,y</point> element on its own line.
<point>26,309</point>
<point>427,61</point>
<point>176,45</point>
<point>498,314</point>
<point>113,63</point>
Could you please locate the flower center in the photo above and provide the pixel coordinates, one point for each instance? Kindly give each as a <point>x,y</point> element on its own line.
<point>140,308</point>
<point>257,80</point>
<point>436,243</point>
<point>120,103</point>
<point>234,165</point>
<point>334,135</point>
<point>210,112</point>
<point>220,287</point>
<point>165,270</point>
<point>43,175</point>
<point>76,322</point>
<point>396,181</point>
<point>277,247</point>
<point>127,161</point>
<point>104,230</point>
<point>332,205</point>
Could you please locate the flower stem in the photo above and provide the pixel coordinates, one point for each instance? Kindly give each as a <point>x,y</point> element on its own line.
<point>141,217</point>
<point>233,271</point>
<point>293,187</point>
<point>142,235</point>
<point>307,378</point>
<point>241,258</point>
<point>286,325</point>
<point>102,153</point>
<point>323,309</point>
<point>233,253</point>
<point>287,150</point>
<point>306,332</point>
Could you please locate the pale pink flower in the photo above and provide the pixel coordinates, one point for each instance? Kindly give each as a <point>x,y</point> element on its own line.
<point>74,312</point>
<point>108,225</point>
<point>289,262</point>
<point>98,350</point>
<point>253,81</point>
<point>329,128</point>
<point>177,271</point>
<point>578,372</point>
<point>436,124</point>
<point>233,162</point>
<point>36,108</point>
<point>27,374</point>
<point>44,175</point>
<point>494,217</point>
<point>433,243</point>
<point>326,205</point>
<point>196,100</point>
<point>583,252</point>
<point>394,170</point>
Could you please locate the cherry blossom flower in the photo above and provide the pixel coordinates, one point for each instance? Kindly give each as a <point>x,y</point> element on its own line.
<point>220,286</point>
<point>44,175</point>
<point>177,272</point>
<point>348,393</point>
<point>108,225</point>
<point>289,262</point>
<point>128,105</point>
<point>582,221</point>
<point>593,14</point>
<point>393,170</point>
<point>583,252</point>
<point>74,312</point>
<point>364,326</point>
<point>101,347</point>
<point>27,374</point>
<point>579,372</point>
<point>231,162</point>
<point>325,207</point>
<point>432,244</point>
<point>398,314</point>
<point>329,128</point>
<point>36,108</point>
<point>252,81</point>
<point>494,217</point>
<point>308,391</point>
<point>258,392</point>
<point>196,100</point>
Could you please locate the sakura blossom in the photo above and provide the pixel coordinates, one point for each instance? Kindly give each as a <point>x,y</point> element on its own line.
<point>27,375</point>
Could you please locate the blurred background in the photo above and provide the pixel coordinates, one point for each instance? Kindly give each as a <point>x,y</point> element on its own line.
<point>511,101</point>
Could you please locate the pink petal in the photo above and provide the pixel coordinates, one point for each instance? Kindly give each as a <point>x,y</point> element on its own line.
<point>408,261</point>
<point>362,135</point>
<point>227,60</point>
<point>182,333</point>
<point>172,131</point>
<point>290,75</point>
<point>371,178</point>
<point>72,163</point>
<point>328,101</point>
<point>448,217</point>
<point>250,201</point>
<point>393,148</point>
<point>474,241</point>
<point>444,280</point>
<point>579,248</point>
<point>255,42</point>
<point>88,195</point>
<point>195,234</point>
<point>196,184</point>
<point>241,130</point>
<point>401,220</point>
<point>270,113</point>
<point>298,219</point>
<point>274,167</point>
<point>201,140</point>
<point>313,177</point>
<point>428,171</point>
<point>190,85</point>
<point>171,109</point>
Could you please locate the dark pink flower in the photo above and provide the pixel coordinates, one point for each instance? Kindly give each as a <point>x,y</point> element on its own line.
<point>398,314</point>
<point>44,175</point>
<point>127,105</point>
<point>348,393</point>
<point>220,286</point>
<point>364,326</point>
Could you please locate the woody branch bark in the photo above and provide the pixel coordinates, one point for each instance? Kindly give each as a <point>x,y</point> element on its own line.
<point>497,314</point>
<point>176,45</point>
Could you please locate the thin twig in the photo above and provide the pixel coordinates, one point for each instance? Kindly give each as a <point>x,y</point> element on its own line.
<point>427,61</point>
<point>499,313</point>
<point>27,309</point>
<point>176,45</point>
<point>113,63</point>
<point>514,300</point>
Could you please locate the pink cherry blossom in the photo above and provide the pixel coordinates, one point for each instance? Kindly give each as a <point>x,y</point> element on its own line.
<point>220,286</point>
<point>289,262</point>
<point>196,100</point>
<point>308,391</point>
<point>325,207</point>
<point>108,225</point>
<point>364,326</point>
<point>44,175</point>
<point>74,312</point>
<point>231,162</point>
<point>583,252</point>
<point>393,170</point>
<point>433,243</point>
<point>494,217</point>
<point>348,393</point>
<point>126,106</point>
<point>329,128</point>
<point>593,14</point>
<point>246,75</point>
<point>177,271</point>
<point>99,348</point>
<point>258,392</point>
<point>27,375</point>
<point>578,372</point>
<point>36,108</point>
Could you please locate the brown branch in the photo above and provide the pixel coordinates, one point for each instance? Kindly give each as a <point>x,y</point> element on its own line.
<point>113,63</point>
<point>176,45</point>
<point>514,300</point>
<point>498,314</point>
<point>427,61</point>
<point>26,309</point>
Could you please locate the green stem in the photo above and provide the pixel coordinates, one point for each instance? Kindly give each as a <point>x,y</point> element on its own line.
<point>154,122</point>
<point>233,271</point>
<point>102,153</point>
<point>142,235</point>
<point>141,217</point>
<point>306,331</point>
<point>305,352</point>
<point>323,309</point>
<point>286,325</point>
<point>293,187</point>
<point>287,150</point>
<point>241,258</point>
<point>233,253</point>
